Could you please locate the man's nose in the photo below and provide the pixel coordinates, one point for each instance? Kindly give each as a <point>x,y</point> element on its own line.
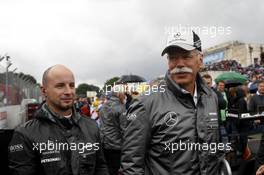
<point>180,62</point>
<point>68,89</point>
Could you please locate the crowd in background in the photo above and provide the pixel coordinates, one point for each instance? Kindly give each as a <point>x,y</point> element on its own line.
<point>233,65</point>
<point>247,98</point>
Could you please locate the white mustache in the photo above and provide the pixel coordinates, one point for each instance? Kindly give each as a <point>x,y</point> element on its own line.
<point>181,70</point>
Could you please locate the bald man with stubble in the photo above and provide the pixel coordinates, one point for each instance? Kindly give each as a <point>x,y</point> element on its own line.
<point>58,140</point>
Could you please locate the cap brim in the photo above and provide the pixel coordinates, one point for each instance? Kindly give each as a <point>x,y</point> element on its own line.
<point>180,45</point>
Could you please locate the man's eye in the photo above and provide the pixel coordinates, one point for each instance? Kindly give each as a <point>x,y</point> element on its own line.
<point>187,56</point>
<point>59,86</point>
<point>72,85</point>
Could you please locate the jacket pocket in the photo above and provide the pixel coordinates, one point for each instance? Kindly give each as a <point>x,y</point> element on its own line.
<point>87,163</point>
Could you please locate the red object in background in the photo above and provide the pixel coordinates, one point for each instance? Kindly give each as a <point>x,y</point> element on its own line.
<point>14,98</point>
<point>85,110</point>
<point>31,109</point>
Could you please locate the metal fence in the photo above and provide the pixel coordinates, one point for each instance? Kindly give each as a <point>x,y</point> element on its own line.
<point>14,88</point>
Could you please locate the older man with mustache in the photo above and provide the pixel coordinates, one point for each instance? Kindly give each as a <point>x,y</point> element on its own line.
<point>176,131</point>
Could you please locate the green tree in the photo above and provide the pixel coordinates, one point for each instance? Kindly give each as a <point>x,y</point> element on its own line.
<point>84,87</point>
<point>110,82</point>
<point>26,77</point>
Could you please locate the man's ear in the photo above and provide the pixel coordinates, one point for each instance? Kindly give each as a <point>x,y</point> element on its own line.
<point>43,91</point>
<point>201,60</point>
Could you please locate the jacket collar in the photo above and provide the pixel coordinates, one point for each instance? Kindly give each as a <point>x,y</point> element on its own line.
<point>178,91</point>
<point>45,113</point>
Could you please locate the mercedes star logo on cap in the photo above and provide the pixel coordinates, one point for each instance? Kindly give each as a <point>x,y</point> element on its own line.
<point>178,34</point>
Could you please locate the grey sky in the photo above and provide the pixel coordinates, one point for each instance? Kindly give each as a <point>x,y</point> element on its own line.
<point>100,39</point>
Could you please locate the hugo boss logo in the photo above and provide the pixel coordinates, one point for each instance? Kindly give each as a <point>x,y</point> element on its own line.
<point>15,148</point>
<point>131,117</point>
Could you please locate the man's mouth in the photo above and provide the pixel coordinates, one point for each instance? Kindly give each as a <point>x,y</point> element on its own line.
<point>67,100</point>
<point>181,73</point>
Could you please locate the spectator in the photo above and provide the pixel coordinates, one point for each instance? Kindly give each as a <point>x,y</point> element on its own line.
<point>221,106</point>
<point>112,124</point>
<point>238,105</point>
<point>221,101</point>
<point>221,89</point>
<point>256,103</point>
